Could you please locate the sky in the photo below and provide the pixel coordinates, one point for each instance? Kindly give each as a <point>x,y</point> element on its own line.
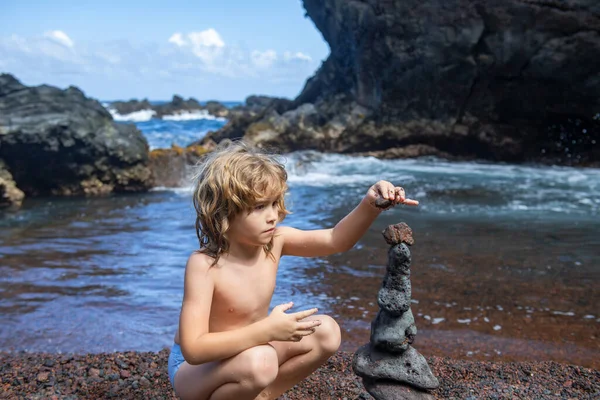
<point>119,50</point>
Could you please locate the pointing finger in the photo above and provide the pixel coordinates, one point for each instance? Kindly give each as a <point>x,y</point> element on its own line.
<point>410,202</point>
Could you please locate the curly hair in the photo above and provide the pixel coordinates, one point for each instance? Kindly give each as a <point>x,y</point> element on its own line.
<point>232,179</point>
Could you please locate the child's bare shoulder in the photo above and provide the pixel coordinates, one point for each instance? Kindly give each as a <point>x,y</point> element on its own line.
<point>198,263</point>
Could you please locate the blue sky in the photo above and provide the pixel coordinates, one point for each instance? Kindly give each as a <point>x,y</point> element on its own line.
<point>220,49</point>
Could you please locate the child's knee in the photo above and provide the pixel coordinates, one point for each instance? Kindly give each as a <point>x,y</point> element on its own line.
<point>260,366</point>
<point>328,334</point>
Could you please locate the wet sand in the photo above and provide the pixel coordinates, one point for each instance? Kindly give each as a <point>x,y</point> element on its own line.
<point>484,292</point>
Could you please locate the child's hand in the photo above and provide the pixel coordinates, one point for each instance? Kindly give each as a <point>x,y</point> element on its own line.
<point>384,190</point>
<point>290,327</point>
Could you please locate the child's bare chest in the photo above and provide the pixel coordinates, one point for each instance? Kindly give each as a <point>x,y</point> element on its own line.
<point>242,296</point>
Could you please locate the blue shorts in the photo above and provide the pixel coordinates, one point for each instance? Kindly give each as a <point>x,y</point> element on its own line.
<point>175,361</point>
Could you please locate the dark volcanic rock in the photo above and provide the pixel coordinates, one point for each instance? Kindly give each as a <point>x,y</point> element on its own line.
<point>399,259</point>
<point>381,389</point>
<point>60,142</point>
<point>253,116</point>
<point>131,106</point>
<point>10,194</point>
<point>391,333</point>
<point>410,367</point>
<point>177,105</point>
<point>172,167</point>
<point>390,367</point>
<point>515,81</point>
<point>395,298</point>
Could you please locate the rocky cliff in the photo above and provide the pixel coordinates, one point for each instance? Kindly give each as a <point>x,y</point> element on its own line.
<point>59,142</point>
<point>517,80</point>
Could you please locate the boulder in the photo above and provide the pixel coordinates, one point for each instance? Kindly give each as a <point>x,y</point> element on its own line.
<point>10,194</point>
<point>173,167</point>
<point>131,106</point>
<point>254,109</point>
<point>59,142</point>
<point>409,367</point>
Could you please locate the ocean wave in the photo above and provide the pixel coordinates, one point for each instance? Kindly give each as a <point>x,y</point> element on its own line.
<point>457,187</point>
<point>193,115</point>
<point>137,116</point>
<point>184,190</point>
<point>444,187</point>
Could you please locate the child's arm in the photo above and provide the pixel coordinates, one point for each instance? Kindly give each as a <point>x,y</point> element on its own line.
<point>323,242</point>
<point>198,346</point>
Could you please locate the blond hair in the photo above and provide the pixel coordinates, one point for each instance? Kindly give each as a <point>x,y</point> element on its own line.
<point>232,179</point>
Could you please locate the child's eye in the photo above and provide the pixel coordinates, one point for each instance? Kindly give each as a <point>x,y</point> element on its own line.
<point>259,207</point>
<point>275,203</point>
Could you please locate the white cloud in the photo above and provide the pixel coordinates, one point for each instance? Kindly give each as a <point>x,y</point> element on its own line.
<point>182,57</point>
<point>288,56</point>
<point>60,37</point>
<point>207,38</point>
<point>263,59</point>
<point>177,39</point>
<point>39,50</point>
<point>206,45</point>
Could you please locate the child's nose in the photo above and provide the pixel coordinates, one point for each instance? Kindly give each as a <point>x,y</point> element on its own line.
<point>273,215</point>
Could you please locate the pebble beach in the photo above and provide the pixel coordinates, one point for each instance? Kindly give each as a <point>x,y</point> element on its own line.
<point>143,375</point>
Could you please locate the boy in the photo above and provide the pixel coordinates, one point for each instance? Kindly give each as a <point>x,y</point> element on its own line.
<point>228,346</point>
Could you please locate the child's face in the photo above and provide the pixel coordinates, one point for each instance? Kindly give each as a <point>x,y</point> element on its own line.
<point>256,226</point>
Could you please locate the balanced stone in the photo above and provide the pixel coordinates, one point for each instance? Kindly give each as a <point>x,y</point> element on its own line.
<point>381,389</point>
<point>392,333</point>
<point>398,233</point>
<point>390,367</point>
<point>409,367</point>
<point>399,260</point>
<point>395,298</point>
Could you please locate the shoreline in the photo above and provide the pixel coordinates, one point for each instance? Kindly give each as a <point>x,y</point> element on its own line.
<point>134,375</point>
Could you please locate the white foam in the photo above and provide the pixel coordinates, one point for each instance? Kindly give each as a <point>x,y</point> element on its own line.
<point>536,189</point>
<point>568,313</point>
<point>324,179</point>
<point>137,116</point>
<point>191,115</point>
<point>437,320</point>
<point>464,321</point>
<point>180,190</point>
<point>497,327</point>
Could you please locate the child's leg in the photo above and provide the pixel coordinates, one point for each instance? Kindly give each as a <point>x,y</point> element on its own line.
<point>297,360</point>
<point>240,377</point>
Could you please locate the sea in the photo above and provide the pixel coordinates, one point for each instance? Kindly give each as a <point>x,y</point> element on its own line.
<point>505,265</point>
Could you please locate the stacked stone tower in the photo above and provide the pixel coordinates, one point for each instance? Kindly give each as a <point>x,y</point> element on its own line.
<point>390,367</point>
